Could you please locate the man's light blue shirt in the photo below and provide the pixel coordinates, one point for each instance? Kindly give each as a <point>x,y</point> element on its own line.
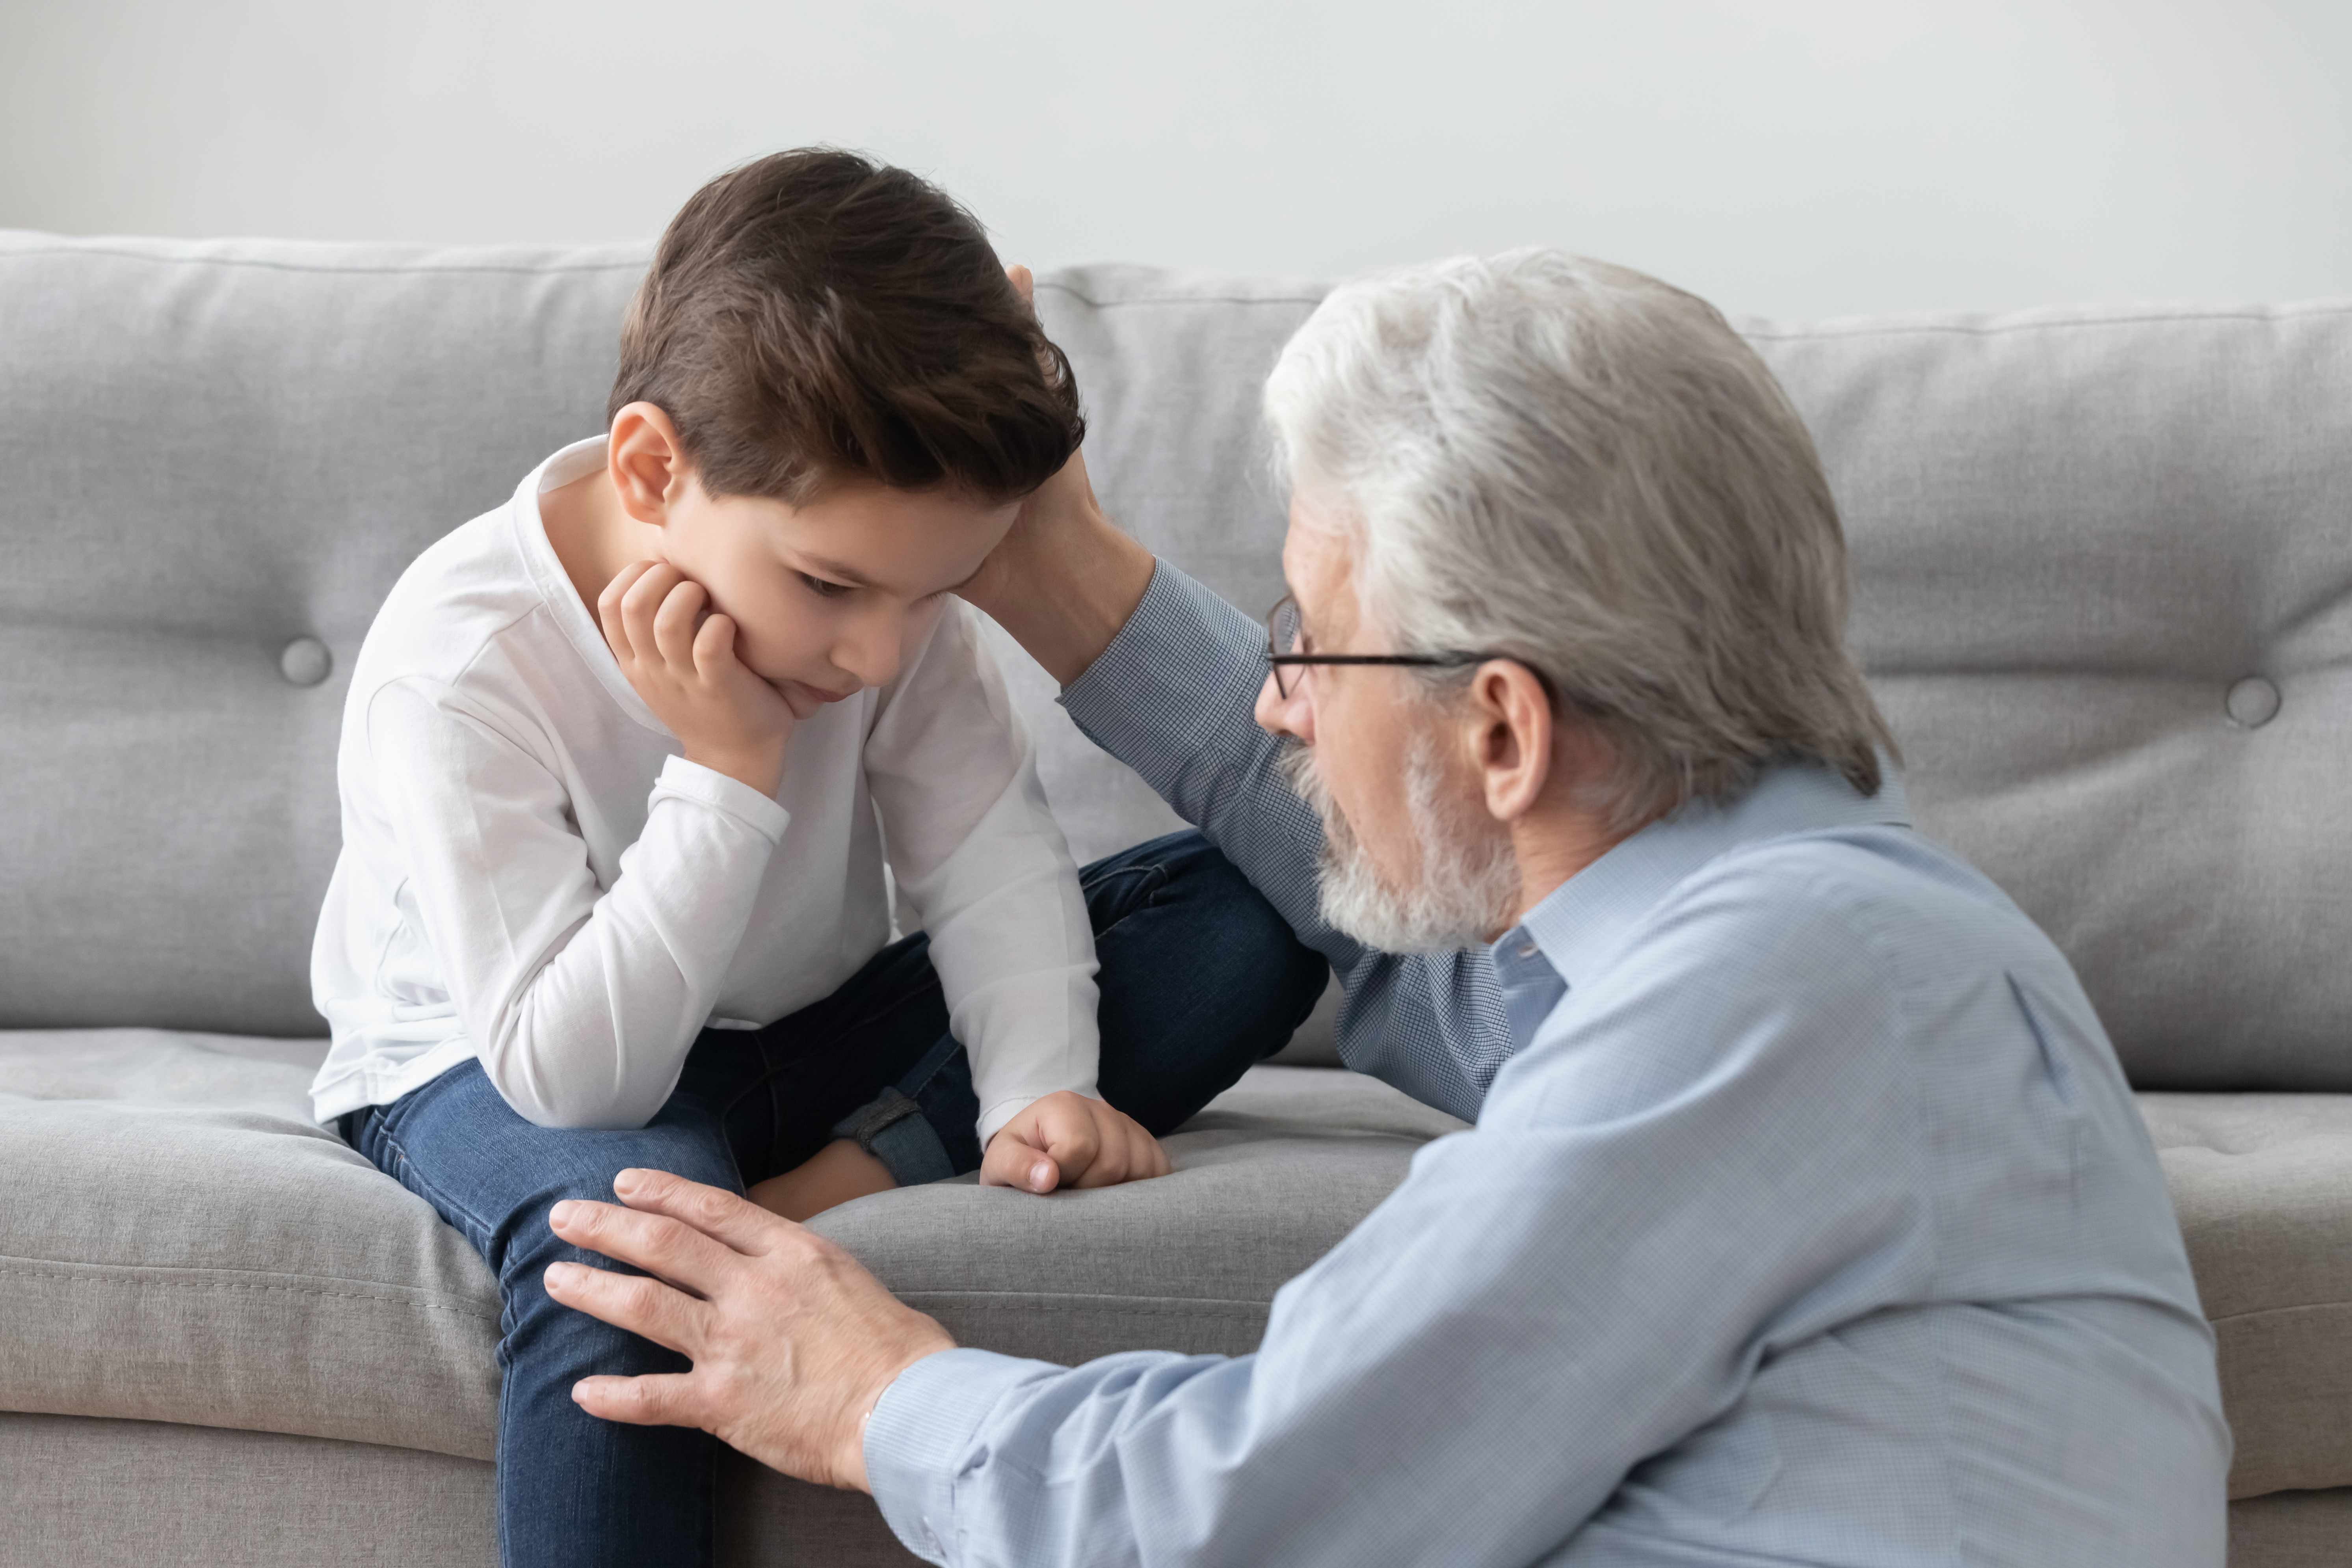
<point>1807,1219</point>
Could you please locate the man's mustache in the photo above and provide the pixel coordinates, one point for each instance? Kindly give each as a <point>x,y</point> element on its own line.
<point>1296,762</point>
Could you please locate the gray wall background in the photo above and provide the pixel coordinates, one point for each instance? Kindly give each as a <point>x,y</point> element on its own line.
<point>1794,158</point>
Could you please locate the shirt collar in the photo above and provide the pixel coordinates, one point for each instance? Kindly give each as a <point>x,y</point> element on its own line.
<point>1582,920</point>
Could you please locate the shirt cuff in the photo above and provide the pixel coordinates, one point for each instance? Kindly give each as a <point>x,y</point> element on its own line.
<point>1186,668</point>
<point>921,1430</point>
<point>683,780</point>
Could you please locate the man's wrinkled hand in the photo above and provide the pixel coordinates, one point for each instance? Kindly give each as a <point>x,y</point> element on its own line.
<point>792,1341</point>
<point>1070,1139</point>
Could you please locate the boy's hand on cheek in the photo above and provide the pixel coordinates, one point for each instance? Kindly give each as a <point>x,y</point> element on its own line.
<point>1069,1140</point>
<point>680,657</point>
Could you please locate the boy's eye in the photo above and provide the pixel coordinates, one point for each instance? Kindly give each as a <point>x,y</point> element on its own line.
<point>822,588</point>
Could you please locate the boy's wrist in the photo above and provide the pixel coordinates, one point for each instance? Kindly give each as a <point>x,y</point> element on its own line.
<point>758,767</point>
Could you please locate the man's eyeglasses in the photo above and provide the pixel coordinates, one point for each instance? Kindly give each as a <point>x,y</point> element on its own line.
<point>1287,653</point>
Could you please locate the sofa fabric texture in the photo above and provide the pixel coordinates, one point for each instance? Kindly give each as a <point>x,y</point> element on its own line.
<point>2260,1184</point>
<point>245,1268</point>
<point>86,1493</point>
<point>2111,620</point>
<point>2103,587</point>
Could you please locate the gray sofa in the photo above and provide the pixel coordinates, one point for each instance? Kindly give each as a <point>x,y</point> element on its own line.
<point>2105,571</point>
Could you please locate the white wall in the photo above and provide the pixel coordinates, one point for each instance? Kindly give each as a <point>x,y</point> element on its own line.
<point>1813,156</point>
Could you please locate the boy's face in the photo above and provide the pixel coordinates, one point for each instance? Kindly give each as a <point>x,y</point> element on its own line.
<point>833,596</point>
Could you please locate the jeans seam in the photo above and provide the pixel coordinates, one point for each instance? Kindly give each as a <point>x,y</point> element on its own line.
<point>429,1190</point>
<point>1154,870</point>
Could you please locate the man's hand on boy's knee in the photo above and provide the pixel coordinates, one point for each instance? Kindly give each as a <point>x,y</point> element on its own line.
<point>792,1341</point>
<point>1070,1139</point>
<point>679,656</point>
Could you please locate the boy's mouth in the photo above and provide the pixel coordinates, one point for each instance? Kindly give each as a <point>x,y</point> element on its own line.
<point>821,695</point>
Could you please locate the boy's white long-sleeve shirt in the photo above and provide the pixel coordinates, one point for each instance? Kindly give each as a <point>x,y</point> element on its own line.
<point>532,873</point>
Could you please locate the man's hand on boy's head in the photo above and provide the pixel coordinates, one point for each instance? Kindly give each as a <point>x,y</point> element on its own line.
<point>1070,1139</point>
<point>679,656</point>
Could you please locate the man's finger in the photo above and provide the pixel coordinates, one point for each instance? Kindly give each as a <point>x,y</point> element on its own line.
<point>657,1399</point>
<point>661,1247</point>
<point>645,1306</point>
<point>716,1213</point>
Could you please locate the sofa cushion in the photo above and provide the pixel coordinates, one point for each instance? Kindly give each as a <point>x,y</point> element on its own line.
<point>2262,1184</point>
<point>178,1242</point>
<point>218,453</point>
<point>2103,586</point>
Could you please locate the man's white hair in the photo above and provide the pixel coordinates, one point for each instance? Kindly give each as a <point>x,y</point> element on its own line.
<point>1579,467</point>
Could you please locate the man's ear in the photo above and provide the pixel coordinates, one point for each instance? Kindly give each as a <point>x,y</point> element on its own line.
<point>646,462</point>
<point>1511,730</point>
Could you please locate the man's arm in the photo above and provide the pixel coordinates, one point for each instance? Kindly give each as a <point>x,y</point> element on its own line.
<point>1669,1190</point>
<point>1162,674</point>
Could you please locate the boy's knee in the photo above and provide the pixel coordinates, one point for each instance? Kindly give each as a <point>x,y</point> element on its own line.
<point>1258,951</point>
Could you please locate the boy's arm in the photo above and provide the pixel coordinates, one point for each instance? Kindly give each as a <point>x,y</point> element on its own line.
<point>580,1001</point>
<point>976,851</point>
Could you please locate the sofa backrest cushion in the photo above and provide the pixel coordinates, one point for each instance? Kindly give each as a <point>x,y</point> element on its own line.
<point>2104,590</point>
<point>2103,587</point>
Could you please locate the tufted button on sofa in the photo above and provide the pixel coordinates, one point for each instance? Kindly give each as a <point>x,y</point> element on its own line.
<point>2103,588</point>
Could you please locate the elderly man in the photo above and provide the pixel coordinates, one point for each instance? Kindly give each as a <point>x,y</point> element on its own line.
<point>1807,1217</point>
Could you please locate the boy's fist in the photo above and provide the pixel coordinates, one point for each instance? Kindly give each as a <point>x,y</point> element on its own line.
<point>1069,1140</point>
<point>680,657</point>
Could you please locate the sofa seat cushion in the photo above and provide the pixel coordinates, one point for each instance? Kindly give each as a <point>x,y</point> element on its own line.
<point>2262,1184</point>
<point>179,1242</point>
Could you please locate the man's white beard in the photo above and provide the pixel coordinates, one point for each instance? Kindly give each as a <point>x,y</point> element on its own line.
<point>1465,887</point>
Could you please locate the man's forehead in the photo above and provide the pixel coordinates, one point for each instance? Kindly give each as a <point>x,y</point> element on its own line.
<point>1317,565</point>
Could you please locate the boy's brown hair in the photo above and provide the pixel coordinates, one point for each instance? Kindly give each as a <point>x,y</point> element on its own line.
<point>816,316</point>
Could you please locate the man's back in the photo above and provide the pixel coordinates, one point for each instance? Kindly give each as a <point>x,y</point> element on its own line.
<point>1811,1222</point>
<point>1951,1318</point>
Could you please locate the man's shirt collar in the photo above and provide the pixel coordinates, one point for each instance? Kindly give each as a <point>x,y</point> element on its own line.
<point>1574,928</point>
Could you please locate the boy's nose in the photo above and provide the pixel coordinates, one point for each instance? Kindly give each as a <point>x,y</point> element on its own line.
<point>870,648</point>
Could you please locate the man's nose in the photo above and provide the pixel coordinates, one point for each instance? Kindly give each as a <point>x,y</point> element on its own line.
<point>1278,715</point>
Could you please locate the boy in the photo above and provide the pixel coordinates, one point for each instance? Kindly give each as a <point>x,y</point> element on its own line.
<point>621,764</point>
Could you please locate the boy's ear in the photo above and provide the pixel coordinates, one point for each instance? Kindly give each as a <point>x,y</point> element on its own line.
<point>646,462</point>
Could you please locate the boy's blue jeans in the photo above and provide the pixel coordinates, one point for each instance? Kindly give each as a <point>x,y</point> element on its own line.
<point>1200,978</point>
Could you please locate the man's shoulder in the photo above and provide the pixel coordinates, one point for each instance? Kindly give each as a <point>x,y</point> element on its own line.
<point>1881,887</point>
<point>1822,934</point>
